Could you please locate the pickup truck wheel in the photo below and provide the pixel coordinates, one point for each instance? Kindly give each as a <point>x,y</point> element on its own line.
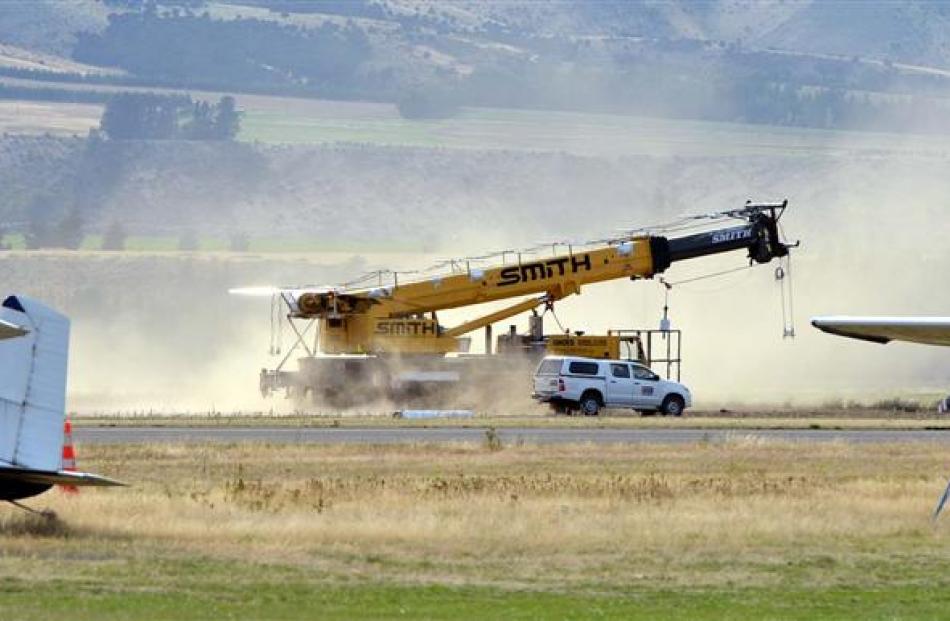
<point>673,406</point>
<point>590,405</point>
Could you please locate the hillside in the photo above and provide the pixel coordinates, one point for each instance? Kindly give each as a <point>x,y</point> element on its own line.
<point>913,32</point>
<point>809,64</point>
<point>49,26</point>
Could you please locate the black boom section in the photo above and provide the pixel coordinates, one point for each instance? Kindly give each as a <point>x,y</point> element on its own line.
<point>711,242</point>
<point>760,237</point>
<point>660,251</point>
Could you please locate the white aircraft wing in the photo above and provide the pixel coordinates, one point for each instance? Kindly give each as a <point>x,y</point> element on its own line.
<point>10,330</point>
<point>926,330</point>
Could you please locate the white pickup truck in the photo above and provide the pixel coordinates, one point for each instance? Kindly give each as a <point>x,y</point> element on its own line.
<point>570,384</point>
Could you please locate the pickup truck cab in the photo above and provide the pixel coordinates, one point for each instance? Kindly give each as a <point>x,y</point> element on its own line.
<point>588,385</point>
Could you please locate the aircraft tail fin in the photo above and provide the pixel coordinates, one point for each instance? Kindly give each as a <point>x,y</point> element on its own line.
<point>33,386</point>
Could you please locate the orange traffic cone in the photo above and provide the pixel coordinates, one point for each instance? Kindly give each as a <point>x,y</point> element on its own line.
<point>69,456</point>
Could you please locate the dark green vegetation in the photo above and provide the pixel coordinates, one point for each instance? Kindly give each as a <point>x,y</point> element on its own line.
<point>138,116</point>
<point>203,589</point>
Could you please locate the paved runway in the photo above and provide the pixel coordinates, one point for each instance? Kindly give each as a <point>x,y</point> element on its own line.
<point>537,435</point>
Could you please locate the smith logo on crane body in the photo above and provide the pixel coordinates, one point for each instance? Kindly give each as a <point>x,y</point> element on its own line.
<point>542,270</point>
<point>732,235</point>
<point>406,328</point>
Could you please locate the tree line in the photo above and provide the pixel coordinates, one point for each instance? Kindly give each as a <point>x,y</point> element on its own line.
<point>145,116</point>
<point>142,116</point>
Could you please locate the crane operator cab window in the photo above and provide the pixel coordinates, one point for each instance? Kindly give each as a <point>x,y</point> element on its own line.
<point>620,370</point>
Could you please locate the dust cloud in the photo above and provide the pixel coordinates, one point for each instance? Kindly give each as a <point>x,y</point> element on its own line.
<point>160,333</point>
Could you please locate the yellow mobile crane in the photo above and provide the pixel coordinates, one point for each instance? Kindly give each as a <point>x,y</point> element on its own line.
<point>377,341</point>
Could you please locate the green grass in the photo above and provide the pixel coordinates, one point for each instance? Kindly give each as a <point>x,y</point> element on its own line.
<point>585,133</point>
<point>197,589</point>
<point>278,127</point>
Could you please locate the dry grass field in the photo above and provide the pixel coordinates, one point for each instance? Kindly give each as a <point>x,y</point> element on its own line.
<point>535,416</point>
<point>59,119</point>
<point>741,529</point>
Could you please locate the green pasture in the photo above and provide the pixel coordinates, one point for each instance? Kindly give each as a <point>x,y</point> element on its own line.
<point>198,589</point>
<point>571,132</point>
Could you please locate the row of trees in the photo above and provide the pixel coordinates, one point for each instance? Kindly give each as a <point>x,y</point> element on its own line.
<point>157,117</point>
<point>678,92</point>
<point>135,115</point>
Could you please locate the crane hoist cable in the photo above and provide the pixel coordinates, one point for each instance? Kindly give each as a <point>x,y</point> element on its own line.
<point>783,276</point>
<point>549,307</point>
<point>275,325</point>
<point>707,276</point>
